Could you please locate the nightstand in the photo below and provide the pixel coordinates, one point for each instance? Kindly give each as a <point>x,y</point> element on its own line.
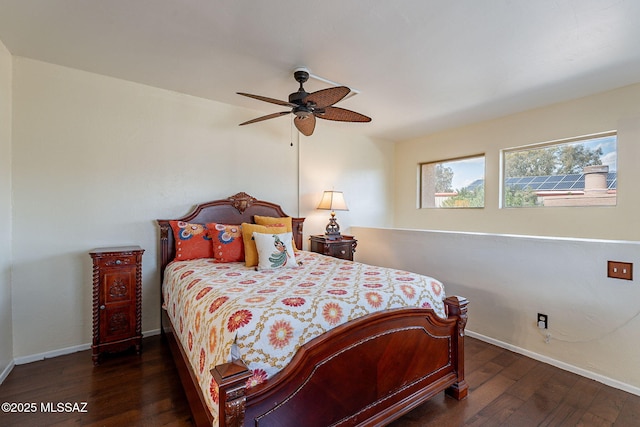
<point>342,248</point>
<point>117,300</point>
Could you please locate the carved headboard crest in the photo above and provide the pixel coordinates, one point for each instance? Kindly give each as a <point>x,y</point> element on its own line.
<point>241,201</point>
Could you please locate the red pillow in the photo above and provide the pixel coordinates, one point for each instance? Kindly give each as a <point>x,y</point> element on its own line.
<point>226,242</point>
<point>192,240</point>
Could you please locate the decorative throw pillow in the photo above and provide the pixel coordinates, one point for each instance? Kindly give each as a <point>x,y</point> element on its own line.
<point>227,242</point>
<point>250,251</point>
<point>271,220</point>
<point>192,240</point>
<point>274,251</point>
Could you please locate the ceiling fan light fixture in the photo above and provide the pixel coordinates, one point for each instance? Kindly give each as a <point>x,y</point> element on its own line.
<point>302,112</point>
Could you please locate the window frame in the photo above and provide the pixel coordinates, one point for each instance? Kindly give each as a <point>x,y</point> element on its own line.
<point>421,181</point>
<point>542,145</point>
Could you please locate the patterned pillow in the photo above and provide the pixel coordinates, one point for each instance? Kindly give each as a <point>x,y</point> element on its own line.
<point>271,220</point>
<point>227,242</point>
<point>192,240</point>
<point>250,251</point>
<point>274,251</point>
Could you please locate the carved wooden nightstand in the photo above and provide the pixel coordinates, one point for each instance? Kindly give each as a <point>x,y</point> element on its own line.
<point>117,300</point>
<point>342,248</point>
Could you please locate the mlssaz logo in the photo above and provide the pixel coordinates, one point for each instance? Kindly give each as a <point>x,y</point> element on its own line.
<point>63,407</point>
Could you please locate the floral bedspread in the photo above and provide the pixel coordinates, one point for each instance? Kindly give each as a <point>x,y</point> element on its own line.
<point>269,314</point>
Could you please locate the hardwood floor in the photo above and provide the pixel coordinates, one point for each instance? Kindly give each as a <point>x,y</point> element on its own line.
<point>506,389</point>
<point>127,390</point>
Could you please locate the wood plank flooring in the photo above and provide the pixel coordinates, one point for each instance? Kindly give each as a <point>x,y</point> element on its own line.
<point>506,389</point>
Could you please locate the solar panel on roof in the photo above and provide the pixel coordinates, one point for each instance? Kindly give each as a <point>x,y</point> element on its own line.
<point>572,181</point>
<point>578,185</point>
<point>564,185</point>
<point>547,186</point>
<point>572,177</point>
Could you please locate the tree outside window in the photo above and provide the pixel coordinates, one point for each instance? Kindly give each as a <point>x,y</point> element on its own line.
<point>454,183</point>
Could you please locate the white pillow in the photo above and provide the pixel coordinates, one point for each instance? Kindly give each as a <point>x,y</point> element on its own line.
<point>274,251</point>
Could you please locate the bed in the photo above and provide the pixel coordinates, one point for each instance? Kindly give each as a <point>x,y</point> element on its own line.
<point>367,370</point>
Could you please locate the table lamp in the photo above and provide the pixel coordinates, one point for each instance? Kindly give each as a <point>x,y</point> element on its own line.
<point>333,201</point>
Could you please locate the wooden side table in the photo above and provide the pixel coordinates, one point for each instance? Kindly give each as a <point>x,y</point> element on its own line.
<point>117,300</point>
<point>343,247</point>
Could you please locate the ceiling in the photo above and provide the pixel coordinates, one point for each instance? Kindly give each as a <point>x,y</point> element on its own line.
<point>419,65</point>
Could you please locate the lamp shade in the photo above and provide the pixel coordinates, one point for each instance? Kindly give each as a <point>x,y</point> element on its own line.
<point>333,201</point>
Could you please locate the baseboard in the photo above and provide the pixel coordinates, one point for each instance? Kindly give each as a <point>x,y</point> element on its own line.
<point>68,350</point>
<point>49,354</point>
<point>5,373</point>
<point>151,333</point>
<point>558,364</point>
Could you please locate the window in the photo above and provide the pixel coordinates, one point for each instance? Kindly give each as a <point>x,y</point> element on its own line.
<point>575,172</point>
<point>454,183</point>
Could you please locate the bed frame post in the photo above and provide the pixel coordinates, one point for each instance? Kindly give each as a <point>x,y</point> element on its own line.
<point>164,246</point>
<point>232,384</point>
<point>457,307</point>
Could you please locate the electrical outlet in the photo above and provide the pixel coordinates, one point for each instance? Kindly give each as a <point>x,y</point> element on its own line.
<point>620,270</point>
<point>543,321</point>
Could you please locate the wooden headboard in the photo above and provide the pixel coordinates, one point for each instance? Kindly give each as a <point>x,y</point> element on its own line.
<point>232,210</point>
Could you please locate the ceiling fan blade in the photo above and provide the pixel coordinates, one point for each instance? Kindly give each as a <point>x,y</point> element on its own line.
<point>267,117</point>
<point>341,115</point>
<point>265,99</point>
<point>325,97</point>
<point>305,125</point>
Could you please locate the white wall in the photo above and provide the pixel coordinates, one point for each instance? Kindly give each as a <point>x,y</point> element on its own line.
<point>96,160</point>
<point>342,159</point>
<point>6,335</point>
<point>510,278</point>
<point>593,320</point>
<point>614,110</point>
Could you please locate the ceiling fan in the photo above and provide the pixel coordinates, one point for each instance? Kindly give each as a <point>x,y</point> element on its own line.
<point>308,106</point>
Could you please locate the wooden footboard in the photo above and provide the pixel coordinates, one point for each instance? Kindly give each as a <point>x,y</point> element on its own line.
<point>367,372</point>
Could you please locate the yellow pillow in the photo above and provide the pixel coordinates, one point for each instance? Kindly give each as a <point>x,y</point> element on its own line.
<point>250,250</point>
<point>271,220</point>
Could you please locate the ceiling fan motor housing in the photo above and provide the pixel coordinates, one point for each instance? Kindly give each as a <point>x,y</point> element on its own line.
<point>298,97</point>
